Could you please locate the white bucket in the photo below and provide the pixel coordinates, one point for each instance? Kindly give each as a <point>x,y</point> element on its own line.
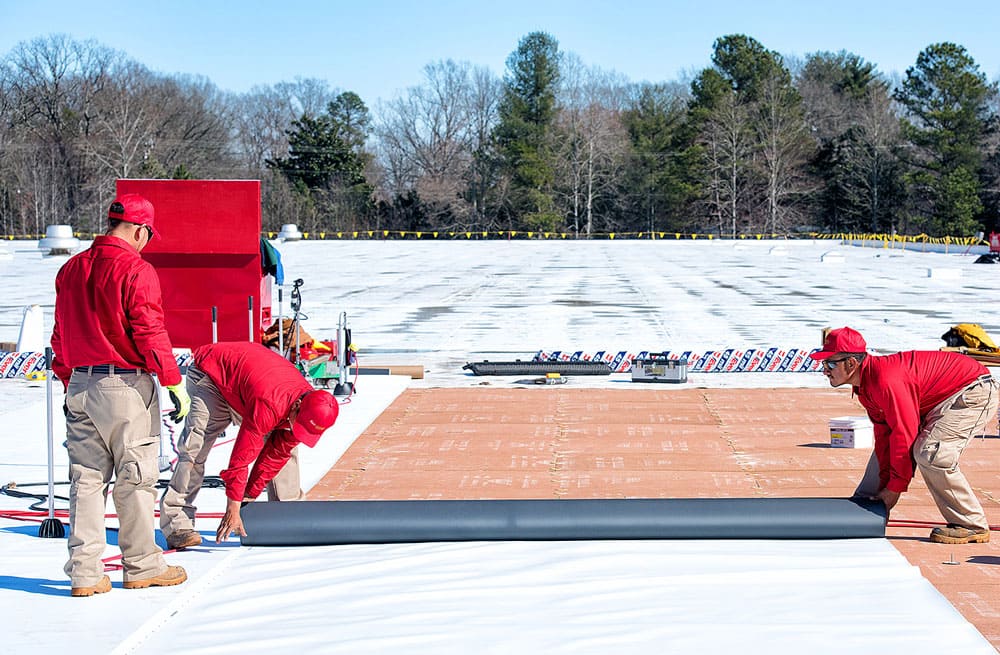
<point>851,432</point>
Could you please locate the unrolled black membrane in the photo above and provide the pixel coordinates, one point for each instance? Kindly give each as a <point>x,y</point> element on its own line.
<point>319,523</point>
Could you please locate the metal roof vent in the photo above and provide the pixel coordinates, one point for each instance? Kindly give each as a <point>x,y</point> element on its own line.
<point>59,240</point>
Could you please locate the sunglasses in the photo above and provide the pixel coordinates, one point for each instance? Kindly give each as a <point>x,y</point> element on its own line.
<point>831,364</point>
<point>149,232</point>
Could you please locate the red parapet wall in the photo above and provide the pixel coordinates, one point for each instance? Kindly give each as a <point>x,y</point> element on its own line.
<point>207,254</point>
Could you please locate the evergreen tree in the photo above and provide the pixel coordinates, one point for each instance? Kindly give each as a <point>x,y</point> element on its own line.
<point>746,64</point>
<point>947,123</point>
<point>749,134</point>
<point>316,155</point>
<point>524,133</point>
<point>326,163</point>
<point>856,167</point>
<point>659,184</point>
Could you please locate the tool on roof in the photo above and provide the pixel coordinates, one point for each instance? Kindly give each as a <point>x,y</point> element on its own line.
<point>971,339</point>
<point>321,362</point>
<point>537,368</point>
<point>343,388</point>
<point>659,367</point>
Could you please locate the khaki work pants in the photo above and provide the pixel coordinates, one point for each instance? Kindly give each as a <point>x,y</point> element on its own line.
<point>944,434</point>
<point>207,419</point>
<point>112,430</point>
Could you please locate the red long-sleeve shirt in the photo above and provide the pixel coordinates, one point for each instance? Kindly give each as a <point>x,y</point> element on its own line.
<point>898,391</point>
<point>261,386</point>
<point>109,310</point>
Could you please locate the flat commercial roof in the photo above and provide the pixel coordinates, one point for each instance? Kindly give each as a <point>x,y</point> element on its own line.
<point>453,435</point>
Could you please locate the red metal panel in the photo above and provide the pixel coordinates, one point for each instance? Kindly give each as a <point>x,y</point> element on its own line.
<point>207,254</point>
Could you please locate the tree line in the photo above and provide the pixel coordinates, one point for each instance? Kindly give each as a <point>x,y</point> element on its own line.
<point>754,143</point>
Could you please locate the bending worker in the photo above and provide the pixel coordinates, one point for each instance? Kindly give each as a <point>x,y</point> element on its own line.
<point>276,408</point>
<point>108,338</point>
<point>926,406</point>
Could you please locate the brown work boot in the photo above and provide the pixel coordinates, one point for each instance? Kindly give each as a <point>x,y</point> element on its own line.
<point>956,534</point>
<point>173,575</point>
<point>183,539</point>
<point>101,587</point>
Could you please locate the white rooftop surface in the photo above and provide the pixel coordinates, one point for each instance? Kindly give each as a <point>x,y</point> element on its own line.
<point>441,305</point>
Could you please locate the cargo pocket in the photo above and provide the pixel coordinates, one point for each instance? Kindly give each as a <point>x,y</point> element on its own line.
<point>139,468</point>
<point>942,455</point>
<point>927,456</point>
<point>142,438</point>
<point>975,396</point>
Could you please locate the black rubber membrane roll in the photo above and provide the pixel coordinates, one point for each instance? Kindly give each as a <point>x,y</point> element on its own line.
<point>321,523</point>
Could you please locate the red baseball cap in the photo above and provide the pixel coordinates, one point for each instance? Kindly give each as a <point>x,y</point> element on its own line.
<point>841,340</point>
<point>317,413</point>
<point>132,208</point>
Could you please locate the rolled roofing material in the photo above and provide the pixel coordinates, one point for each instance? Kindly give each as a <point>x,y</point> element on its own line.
<point>318,523</point>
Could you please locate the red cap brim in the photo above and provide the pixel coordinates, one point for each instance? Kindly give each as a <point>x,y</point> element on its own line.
<point>304,435</point>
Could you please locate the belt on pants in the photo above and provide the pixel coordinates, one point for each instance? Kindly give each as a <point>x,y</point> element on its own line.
<point>106,369</point>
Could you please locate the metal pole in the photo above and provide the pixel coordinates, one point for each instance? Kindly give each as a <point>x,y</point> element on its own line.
<point>163,461</point>
<point>281,326</point>
<point>250,317</point>
<point>342,346</point>
<point>298,346</point>
<point>51,429</point>
<point>215,324</point>
<point>51,527</point>
<point>296,306</point>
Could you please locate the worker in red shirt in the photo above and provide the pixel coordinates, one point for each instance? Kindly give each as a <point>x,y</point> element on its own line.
<point>108,338</point>
<point>926,406</point>
<point>276,408</point>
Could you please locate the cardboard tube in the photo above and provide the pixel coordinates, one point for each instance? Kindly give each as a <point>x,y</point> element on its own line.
<point>415,371</point>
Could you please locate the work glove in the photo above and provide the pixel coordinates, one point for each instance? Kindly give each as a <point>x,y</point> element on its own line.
<point>181,400</point>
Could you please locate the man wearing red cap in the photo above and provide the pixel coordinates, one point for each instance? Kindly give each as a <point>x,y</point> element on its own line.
<point>926,406</point>
<point>108,337</point>
<point>277,409</point>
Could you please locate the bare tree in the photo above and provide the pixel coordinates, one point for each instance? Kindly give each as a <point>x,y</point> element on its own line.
<point>851,116</point>
<point>52,84</point>
<point>485,182</point>
<point>727,144</point>
<point>191,137</point>
<point>429,137</point>
<point>873,182</point>
<point>263,116</point>
<point>123,129</point>
<point>592,142</point>
<point>83,115</point>
<point>785,148</point>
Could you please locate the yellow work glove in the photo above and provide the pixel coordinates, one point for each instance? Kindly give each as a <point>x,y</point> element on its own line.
<point>181,400</point>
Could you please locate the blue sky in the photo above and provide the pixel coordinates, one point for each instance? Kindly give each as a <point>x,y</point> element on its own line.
<point>377,48</point>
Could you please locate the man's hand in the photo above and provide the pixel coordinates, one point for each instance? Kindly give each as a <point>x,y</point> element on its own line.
<point>890,498</point>
<point>231,522</point>
<point>181,400</point>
